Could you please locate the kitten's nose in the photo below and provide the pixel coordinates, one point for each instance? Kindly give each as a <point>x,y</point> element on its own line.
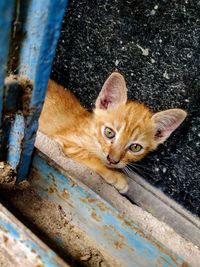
<point>111,160</point>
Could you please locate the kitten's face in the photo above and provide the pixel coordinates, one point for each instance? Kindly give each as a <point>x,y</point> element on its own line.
<point>124,134</point>
<point>127,131</point>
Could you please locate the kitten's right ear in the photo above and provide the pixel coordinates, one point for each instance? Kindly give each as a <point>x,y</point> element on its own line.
<point>113,92</point>
<point>166,122</point>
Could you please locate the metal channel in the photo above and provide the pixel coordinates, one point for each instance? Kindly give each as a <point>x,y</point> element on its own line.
<point>6,11</point>
<point>20,247</point>
<point>104,224</point>
<point>41,29</point>
<point>165,209</point>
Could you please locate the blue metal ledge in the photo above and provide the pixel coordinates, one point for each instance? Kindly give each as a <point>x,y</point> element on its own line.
<point>117,234</point>
<point>23,246</point>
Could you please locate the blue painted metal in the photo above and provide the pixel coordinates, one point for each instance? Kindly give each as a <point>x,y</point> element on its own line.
<point>42,28</point>
<point>26,246</point>
<point>120,236</point>
<point>6,11</point>
<point>16,136</point>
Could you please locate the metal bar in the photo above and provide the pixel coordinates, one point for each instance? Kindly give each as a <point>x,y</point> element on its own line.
<point>17,130</point>
<point>42,20</point>
<point>165,209</point>
<point>22,246</point>
<point>6,11</point>
<point>116,233</point>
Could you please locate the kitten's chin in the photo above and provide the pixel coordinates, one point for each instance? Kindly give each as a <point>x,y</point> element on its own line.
<point>114,166</point>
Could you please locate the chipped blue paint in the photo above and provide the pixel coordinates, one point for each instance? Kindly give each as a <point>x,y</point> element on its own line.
<point>11,95</point>
<point>120,236</point>
<point>41,31</point>
<point>9,227</point>
<point>12,228</point>
<point>16,136</point>
<point>6,11</point>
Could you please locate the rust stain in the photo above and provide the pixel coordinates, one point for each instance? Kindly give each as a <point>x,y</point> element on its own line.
<point>65,194</point>
<point>33,251</point>
<point>112,228</point>
<point>51,176</point>
<point>87,200</point>
<point>102,206</point>
<point>119,245</point>
<point>52,189</point>
<point>127,223</point>
<point>3,229</point>
<point>184,264</point>
<point>163,259</point>
<point>5,239</point>
<point>82,199</point>
<point>95,216</point>
<point>90,200</point>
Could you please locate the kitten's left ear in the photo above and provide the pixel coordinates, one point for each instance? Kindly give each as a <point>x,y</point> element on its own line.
<point>166,122</point>
<point>113,92</point>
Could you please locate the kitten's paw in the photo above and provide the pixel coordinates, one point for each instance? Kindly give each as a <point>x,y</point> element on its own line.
<point>124,189</point>
<point>118,180</point>
<point>121,184</point>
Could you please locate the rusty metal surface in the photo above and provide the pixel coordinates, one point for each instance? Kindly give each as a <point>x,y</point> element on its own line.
<point>117,234</point>
<point>16,109</point>
<point>6,11</point>
<point>35,31</point>
<point>20,247</point>
<point>42,29</point>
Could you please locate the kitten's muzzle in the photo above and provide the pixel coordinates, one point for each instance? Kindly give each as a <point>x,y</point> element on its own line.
<point>112,161</point>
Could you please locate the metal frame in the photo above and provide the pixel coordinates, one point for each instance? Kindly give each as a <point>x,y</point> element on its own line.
<point>40,22</point>
<point>6,13</point>
<point>22,245</point>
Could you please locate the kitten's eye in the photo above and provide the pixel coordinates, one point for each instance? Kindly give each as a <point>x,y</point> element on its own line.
<point>109,133</point>
<point>135,148</point>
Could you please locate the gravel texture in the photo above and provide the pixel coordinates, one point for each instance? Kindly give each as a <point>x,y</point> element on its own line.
<point>155,44</point>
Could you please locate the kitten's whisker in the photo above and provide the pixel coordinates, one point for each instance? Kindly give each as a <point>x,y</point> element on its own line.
<point>129,173</point>
<point>141,172</point>
<point>125,171</point>
<point>132,164</point>
<point>137,172</point>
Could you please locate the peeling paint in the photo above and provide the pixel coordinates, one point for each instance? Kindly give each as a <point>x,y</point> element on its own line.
<point>124,240</point>
<point>34,61</point>
<point>6,11</point>
<point>24,248</point>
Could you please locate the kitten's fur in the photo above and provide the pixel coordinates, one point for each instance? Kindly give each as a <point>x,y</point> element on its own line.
<point>81,134</point>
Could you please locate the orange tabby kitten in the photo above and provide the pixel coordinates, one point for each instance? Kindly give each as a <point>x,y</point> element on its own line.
<point>116,133</point>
